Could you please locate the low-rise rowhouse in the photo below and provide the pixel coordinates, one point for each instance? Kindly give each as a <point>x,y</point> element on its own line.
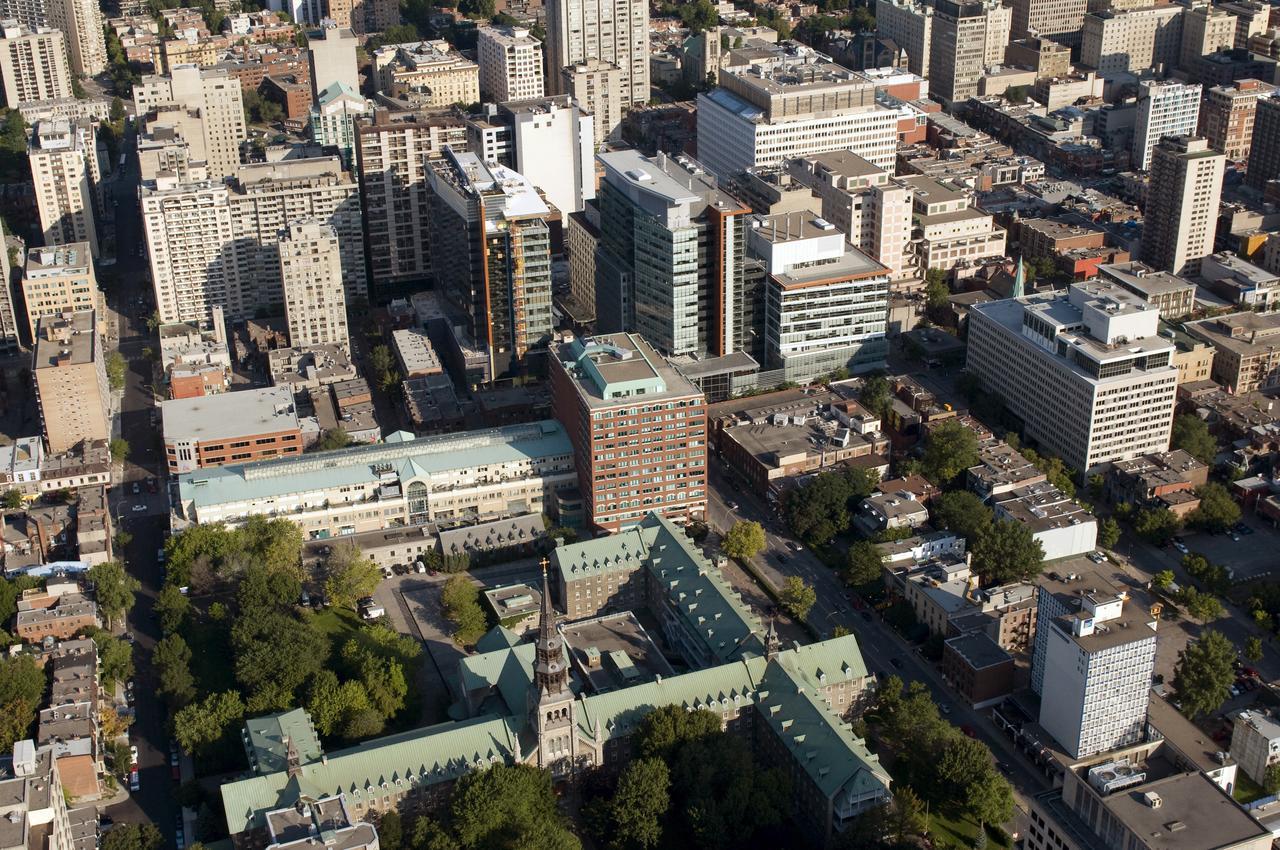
<point>68,724</point>
<point>899,509</point>
<point>1153,480</point>
<point>1062,526</point>
<point>43,614</point>
<point>457,478</point>
<point>1247,355</point>
<point>248,425</point>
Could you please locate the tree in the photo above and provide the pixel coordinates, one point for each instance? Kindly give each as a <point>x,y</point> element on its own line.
<point>115,366</point>
<point>665,729</point>
<point>640,804</point>
<point>907,815</point>
<point>1007,551</point>
<point>1253,648</point>
<point>722,798</point>
<point>699,15</point>
<point>172,607</point>
<point>1108,533</point>
<point>114,589</point>
<point>390,830</point>
<point>426,834</point>
<point>874,393</point>
<point>1162,580</point>
<point>381,360</point>
<point>950,449</point>
<point>1271,779</point>
<point>202,724</point>
<point>797,598</point>
<point>133,836</point>
<point>509,806</point>
<point>745,539</point>
<point>962,512</point>
<point>172,661</point>
<point>1016,94</point>
<point>22,685</point>
<point>332,704</point>
<point>336,438</point>
<point>1201,606</point>
<point>1055,471</point>
<point>275,653</point>
<point>275,543</point>
<point>382,677</point>
<point>13,499</point>
<point>349,575</point>
<point>119,449</point>
<point>115,658</point>
<point>1217,510</point>
<point>461,601</point>
<point>863,564</point>
<point>1203,675</point>
<point>819,510</point>
<point>1156,525</point>
<point>1191,434</point>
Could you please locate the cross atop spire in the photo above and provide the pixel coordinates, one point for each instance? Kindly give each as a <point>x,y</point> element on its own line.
<point>550,673</point>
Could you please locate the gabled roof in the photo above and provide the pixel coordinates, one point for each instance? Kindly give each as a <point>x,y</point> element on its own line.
<point>423,756</point>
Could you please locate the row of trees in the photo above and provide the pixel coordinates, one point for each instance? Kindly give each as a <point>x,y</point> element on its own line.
<point>824,506</point>
<point>1216,513</point>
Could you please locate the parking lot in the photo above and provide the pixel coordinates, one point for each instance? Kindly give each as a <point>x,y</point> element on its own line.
<point>1252,556</point>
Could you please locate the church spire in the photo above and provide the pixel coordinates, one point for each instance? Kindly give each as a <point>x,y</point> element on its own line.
<point>1019,280</point>
<point>771,641</point>
<point>550,673</point>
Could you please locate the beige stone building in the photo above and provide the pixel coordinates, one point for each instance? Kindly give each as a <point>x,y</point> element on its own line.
<point>33,64</point>
<point>64,171</point>
<point>81,22</point>
<point>510,62</point>
<point>1059,20</point>
<point>429,74</point>
<point>315,304</point>
<point>1226,116</point>
<point>615,31</point>
<point>1114,40</point>
<point>600,89</point>
<point>1247,349</point>
<point>213,94</point>
<point>69,370</point>
<point>1205,29</point>
<point>1182,204</point>
<point>59,279</point>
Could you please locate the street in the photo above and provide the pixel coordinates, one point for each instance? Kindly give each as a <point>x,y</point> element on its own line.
<point>149,528</point>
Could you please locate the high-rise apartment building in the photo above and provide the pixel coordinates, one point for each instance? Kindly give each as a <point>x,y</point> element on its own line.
<point>1226,116</point>
<point>10,340</point>
<point>69,371</point>
<point>510,64</point>
<point>1165,108</point>
<point>1252,18</point>
<point>909,23</point>
<point>1264,151</point>
<point>1205,29</point>
<point>615,31</point>
<point>638,429</point>
<point>1058,20</point>
<point>333,120</point>
<point>64,171</point>
<point>212,93</point>
<point>597,86</point>
<point>1182,204</point>
<point>826,302</point>
<point>1097,675</point>
<point>216,244</point>
<point>1057,363</point>
<point>796,104</point>
<point>59,279</point>
<point>33,64</point>
<point>556,124</point>
<point>492,255</point>
<point>315,303</point>
<point>871,208</point>
<point>81,22</point>
<point>1121,41</point>
<point>394,151</point>
<point>331,52</point>
<point>670,260</point>
<point>967,38</point>
<point>581,240</point>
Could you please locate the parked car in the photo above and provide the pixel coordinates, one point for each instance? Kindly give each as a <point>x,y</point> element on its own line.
<point>133,757</point>
<point>1180,546</point>
<point>139,509</point>
<point>134,784</point>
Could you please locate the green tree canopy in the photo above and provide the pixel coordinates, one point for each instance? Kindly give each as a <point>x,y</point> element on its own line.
<point>1191,434</point>
<point>797,598</point>
<point>116,367</point>
<point>350,575</point>
<point>1253,648</point>
<point>1203,675</point>
<point>699,15</point>
<point>115,658</point>
<point>509,806</point>
<point>460,599</point>
<point>1007,551</point>
<point>171,659</point>
<point>336,438</point>
<point>962,512</point>
<point>1163,579</point>
<point>133,836</point>
<point>1156,525</point>
<point>13,500</point>
<point>1217,510</point>
<point>201,724</point>
<point>949,450</point>
<point>640,805</point>
<point>863,563</point>
<point>275,653</point>
<point>172,607</point>
<point>114,589</point>
<point>332,704</point>
<point>1108,533</point>
<point>821,508</point>
<point>667,728</point>
<point>22,686</point>
<point>744,540</point>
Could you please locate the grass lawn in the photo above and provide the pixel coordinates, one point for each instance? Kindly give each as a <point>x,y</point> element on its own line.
<point>337,624</point>
<point>1246,790</point>
<point>961,832</point>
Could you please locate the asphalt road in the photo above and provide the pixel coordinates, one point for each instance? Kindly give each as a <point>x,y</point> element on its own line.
<point>128,281</point>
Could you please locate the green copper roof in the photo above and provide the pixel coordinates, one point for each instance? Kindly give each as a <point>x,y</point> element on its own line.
<point>423,756</point>
<point>265,740</point>
<point>497,638</point>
